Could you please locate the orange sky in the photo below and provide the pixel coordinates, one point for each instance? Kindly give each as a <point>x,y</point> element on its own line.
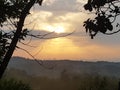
<point>65,16</point>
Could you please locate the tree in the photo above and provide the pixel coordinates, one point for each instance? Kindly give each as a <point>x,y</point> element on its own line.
<point>15,12</point>
<point>106,14</point>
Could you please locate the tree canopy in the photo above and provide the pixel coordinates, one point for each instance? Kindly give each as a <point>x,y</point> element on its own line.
<point>106,14</point>
<point>13,13</point>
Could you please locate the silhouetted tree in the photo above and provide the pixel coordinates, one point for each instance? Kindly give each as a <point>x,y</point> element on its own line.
<point>106,14</point>
<point>15,12</point>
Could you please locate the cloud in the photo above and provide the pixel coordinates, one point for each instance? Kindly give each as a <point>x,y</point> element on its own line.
<point>81,1</point>
<point>48,2</point>
<point>60,5</point>
<point>70,21</point>
<point>67,14</point>
<point>63,13</point>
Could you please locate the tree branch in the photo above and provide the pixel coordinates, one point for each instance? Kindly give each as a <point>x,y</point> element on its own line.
<point>112,32</point>
<point>43,36</point>
<point>40,62</point>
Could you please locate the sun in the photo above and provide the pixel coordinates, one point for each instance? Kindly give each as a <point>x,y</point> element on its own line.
<point>59,29</point>
<point>55,28</point>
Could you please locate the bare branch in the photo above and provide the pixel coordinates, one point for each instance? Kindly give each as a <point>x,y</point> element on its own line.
<point>112,32</point>
<point>38,52</point>
<point>40,62</point>
<point>27,44</point>
<point>43,36</point>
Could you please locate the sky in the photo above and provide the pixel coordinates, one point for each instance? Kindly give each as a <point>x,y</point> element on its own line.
<point>66,16</point>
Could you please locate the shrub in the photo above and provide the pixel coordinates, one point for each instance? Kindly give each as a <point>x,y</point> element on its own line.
<point>12,84</point>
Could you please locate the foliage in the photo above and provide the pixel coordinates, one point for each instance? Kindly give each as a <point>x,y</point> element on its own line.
<point>13,15</point>
<point>98,83</point>
<point>12,9</point>
<point>67,81</point>
<point>81,82</point>
<point>4,45</point>
<point>107,12</point>
<point>13,85</point>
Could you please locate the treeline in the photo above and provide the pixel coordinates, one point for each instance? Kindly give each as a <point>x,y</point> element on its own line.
<point>69,82</point>
<point>12,84</point>
<point>86,82</point>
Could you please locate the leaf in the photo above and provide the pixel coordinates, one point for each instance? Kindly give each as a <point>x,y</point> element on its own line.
<point>110,27</point>
<point>39,2</point>
<point>103,30</point>
<point>88,7</point>
<point>117,25</point>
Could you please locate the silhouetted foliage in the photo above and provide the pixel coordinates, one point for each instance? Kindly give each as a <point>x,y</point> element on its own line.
<point>13,85</point>
<point>14,13</point>
<point>4,44</point>
<point>12,9</point>
<point>106,15</point>
<point>71,82</point>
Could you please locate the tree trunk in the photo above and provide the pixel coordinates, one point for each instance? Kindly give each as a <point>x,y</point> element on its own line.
<point>119,85</point>
<point>15,39</point>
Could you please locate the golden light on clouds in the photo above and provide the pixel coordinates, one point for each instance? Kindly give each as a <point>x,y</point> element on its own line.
<point>46,20</point>
<point>59,29</point>
<point>66,16</point>
<point>59,48</point>
<point>79,48</point>
<point>55,28</point>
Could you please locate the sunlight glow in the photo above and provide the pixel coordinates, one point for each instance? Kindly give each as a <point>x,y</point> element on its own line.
<point>56,29</point>
<point>59,29</point>
<point>54,49</point>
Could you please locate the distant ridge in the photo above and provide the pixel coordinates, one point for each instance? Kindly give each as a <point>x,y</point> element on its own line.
<point>70,67</point>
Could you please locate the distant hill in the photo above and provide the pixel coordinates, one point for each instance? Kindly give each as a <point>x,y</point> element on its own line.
<point>54,68</point>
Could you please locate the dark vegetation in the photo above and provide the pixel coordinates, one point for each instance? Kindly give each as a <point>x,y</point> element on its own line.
<point>106,13</point>
<point>13,14</point>
<point>67,82</point>
<point>12,84</point>
<point>75,83</point>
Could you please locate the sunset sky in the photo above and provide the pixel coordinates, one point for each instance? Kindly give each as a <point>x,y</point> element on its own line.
<point>66,16</point>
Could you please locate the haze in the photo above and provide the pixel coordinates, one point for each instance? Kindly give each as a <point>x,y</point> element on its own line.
<point>66,16</point>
